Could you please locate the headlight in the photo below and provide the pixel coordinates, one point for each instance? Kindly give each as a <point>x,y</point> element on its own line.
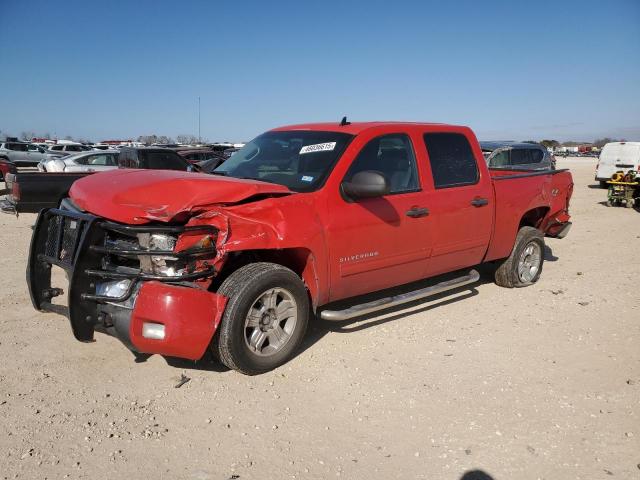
<point>159,241</point>
<point>160,264</point>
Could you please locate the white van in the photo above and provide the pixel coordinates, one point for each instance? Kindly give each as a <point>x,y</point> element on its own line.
<point>616,157</point>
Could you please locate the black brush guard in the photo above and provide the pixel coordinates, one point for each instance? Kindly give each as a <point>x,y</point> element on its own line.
<point>75,241</point>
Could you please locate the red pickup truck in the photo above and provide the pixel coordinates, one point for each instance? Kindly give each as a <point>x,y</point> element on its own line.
<point>174,263</point>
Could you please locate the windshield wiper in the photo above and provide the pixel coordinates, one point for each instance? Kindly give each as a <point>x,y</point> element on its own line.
<point>221,173</point>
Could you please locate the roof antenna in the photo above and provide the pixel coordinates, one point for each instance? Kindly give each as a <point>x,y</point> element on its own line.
<point>344,121</point>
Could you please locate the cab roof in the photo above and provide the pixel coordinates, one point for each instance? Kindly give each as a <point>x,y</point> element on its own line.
<point>356,128</point>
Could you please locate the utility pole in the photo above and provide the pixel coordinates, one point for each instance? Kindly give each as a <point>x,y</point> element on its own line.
<point>199,140</point>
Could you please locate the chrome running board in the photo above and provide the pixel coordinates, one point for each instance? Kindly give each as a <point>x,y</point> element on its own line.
<point>375,305</point>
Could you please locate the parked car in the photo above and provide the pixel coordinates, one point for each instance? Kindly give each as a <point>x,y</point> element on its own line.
<point>93,161</point>
<point>22,154</point>
<point>196,155</point>
<point>156,158</point>
<point>32,191</point>
<point>617,157</point>
<point>68,148</point>
<point>100,146</point>
<point>529,156</point>
<point>303,216</point>
<point>229,152</point>
<point>208,166</point>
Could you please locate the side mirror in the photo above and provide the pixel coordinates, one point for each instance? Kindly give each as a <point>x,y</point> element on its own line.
<point>366,184</point>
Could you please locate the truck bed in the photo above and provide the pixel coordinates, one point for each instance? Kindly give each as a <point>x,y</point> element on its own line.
<point>526,190</point>
<point>30,192</point>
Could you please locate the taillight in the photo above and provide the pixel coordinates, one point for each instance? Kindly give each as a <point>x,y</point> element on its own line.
<point>15,191</point>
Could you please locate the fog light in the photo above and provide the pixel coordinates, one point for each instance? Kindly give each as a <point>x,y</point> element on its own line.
<point>113,289</point>
<point>154,331</point>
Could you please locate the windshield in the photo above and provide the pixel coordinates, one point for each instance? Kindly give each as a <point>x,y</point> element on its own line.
<point>299,160</point>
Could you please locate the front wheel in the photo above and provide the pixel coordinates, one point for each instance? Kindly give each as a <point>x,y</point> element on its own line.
<point>265,319</point>
<point>524,266</point>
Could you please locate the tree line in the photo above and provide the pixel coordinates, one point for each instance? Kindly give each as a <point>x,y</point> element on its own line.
<point>27,136</point>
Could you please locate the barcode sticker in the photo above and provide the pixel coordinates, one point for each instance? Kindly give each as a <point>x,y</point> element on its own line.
<point>318,147</point>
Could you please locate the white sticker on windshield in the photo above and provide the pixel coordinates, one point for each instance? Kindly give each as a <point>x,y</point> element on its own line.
<point>318,147</point>
<point>307,178</point>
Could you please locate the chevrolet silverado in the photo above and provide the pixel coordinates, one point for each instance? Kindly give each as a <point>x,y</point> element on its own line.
<point>239,262</point>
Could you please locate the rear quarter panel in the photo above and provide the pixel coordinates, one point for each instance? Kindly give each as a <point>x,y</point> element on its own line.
<point>514,197</point>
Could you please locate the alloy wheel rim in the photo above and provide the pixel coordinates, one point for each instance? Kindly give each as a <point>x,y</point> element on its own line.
<point>270,322</point>
<point>529,263</point>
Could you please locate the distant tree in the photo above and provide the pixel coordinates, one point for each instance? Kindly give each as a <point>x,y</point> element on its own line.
<point>550,143</point>
<point>68,137</point>
<point>27,135</point>
<point>47,136</point>
<point>601,142</point>
<point>148,139</point>
<point>187,139</point>
<point>165,139</point>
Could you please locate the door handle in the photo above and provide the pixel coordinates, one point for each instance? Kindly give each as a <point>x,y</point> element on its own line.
<point>479,202</point>
<point>417,212</point>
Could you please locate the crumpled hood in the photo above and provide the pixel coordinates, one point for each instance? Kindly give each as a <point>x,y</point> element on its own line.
<point>140,196</point>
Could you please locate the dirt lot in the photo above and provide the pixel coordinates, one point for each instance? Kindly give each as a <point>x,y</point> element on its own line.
<point>541,382</point>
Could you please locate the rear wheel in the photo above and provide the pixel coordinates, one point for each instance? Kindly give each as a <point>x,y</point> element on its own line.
<point>524,266</point>
<point>603,184</point>
<point>265,318</point>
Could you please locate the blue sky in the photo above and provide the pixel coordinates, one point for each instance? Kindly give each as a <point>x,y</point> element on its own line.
<point>508,69</point>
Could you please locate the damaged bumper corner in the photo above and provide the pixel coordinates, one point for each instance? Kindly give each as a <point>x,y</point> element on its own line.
<point>559,227</point>
<point>174,320</point>
<point>148,312</point>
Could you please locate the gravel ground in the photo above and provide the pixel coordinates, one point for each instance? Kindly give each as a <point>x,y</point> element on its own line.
<point>540,382</point>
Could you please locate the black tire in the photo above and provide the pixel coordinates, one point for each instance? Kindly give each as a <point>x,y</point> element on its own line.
<point>604,184</point>
<point>507,274</point>
<point>243,288</point>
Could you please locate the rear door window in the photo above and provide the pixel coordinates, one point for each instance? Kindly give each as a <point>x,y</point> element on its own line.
<point>521,156</point>
<point>99,160</point>
<point>452,161</point>
<point>536,155</point>
<point>165,161</point>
